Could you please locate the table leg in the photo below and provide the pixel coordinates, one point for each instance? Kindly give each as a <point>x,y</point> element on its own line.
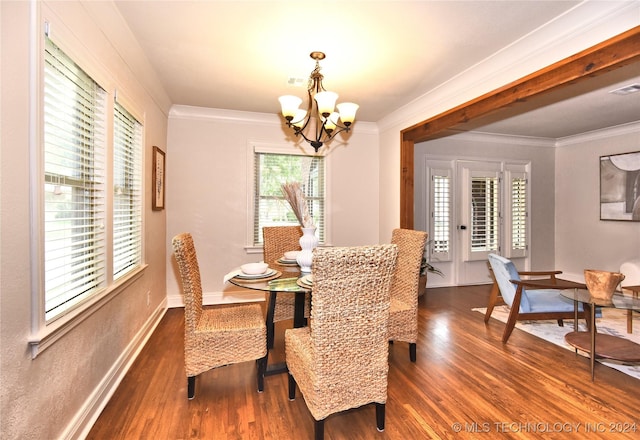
<point>298,314</point>
<point>575,320</point>
<point>270,324</point>
<point>298,321</point>
<point>592,355</point>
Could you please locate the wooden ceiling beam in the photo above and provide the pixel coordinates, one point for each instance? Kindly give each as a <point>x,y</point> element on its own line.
<point>616,52</point>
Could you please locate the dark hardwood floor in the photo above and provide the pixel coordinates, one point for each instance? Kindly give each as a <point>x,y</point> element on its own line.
<point>464,380</point>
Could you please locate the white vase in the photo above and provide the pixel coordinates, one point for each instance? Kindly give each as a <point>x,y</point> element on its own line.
<point>308,241</point>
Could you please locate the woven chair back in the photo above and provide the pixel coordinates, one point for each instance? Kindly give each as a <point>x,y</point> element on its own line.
<point>350,311</point>
<point>278,240</point>
<point>185,253</point>
<point>406,278</point>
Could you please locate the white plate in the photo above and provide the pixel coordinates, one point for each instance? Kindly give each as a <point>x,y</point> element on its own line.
<point>267,274</point>
<point>287,262</point>
<point>307,279</point>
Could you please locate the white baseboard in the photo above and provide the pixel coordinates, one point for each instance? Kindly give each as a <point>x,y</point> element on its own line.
<point>84,419</point>
<point>226,297</point>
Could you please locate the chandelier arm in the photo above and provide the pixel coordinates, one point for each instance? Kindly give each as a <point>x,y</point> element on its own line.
<point>335,132</point>
<point>301,133</point>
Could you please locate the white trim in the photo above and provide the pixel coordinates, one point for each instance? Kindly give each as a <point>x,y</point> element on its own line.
<point>48,334</point>
<point>506,139</point>
<point>214,298</point>
<point>619,130</point>
<point>254,118</point>
<point>84,419</point>
<point>192,113</point>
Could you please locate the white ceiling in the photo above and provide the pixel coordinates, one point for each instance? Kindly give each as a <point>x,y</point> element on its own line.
<point>239,55</point>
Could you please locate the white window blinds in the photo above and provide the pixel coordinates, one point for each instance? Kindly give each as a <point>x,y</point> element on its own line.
<point>271,170</point>
<point>127,192</point>
<point>74,183</point>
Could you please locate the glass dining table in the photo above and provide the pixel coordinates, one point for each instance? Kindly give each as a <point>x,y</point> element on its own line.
<point>283,279</point>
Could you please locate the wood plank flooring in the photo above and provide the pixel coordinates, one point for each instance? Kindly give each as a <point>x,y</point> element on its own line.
<point>465,384</point>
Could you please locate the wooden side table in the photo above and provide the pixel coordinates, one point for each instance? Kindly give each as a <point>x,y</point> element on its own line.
<point>635,290</point>
<point>609,347</point>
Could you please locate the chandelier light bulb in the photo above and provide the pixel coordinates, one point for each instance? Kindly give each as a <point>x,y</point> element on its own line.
<point>326,102</point>
<point>347,112</point>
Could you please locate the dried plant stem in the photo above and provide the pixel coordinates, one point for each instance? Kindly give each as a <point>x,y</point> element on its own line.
<point>293,194</point>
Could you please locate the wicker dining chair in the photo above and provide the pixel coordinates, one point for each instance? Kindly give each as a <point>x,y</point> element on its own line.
<point>276,241</point>
<point>403,317</point>
<point>340,361</point>
<point>220,335</point>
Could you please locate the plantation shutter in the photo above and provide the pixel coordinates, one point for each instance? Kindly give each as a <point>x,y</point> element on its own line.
<point>485,219</point>
<point>440,231</point>
<point>127,192</point>
<point>271,170</point>
<point>517,222</point>
<point>74,179</point>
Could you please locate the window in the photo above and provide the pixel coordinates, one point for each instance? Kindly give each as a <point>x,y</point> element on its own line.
<point>440,214</point>
<point>271,170</point>
<point>485,220</point>
<point>127,192</point>
<point>74,184</point>
<point>517,220</point>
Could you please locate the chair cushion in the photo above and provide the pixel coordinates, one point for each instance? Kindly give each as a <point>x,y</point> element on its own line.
<point>549,300</point>
<point>504,270</point>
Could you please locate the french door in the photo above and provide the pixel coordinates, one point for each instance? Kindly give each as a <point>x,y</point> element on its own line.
<point>477,208</point>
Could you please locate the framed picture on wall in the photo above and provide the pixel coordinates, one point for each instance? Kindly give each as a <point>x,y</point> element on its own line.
<point>158,179</point>
<point>620,187</point>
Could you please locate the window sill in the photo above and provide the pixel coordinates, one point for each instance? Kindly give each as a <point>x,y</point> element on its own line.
<point>56,329</point>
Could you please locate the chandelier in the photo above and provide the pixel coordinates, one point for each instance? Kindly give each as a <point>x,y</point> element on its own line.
<point>319,123</point>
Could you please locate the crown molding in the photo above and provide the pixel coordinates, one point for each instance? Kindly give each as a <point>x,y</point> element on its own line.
<point>497,138</point>
<point>206,113</point>
<point>605,133</point>
<point>242,117</point>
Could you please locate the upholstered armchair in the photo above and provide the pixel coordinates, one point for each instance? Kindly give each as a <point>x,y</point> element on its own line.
<point>529,300</point>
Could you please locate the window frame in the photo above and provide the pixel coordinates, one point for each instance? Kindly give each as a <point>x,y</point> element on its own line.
<point>289,149</point>
<point>134,189</point>
<point>45,332</point>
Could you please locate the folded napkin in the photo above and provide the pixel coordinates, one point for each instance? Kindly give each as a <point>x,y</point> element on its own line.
<point>230,275</point>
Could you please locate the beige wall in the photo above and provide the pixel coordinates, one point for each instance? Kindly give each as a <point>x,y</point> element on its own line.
<point>57,393</point>
<point>582,240</point>
<point>208,181</point>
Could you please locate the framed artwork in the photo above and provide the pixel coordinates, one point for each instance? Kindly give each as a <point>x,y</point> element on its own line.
<point>620,187</point>
<point>158,179</point>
